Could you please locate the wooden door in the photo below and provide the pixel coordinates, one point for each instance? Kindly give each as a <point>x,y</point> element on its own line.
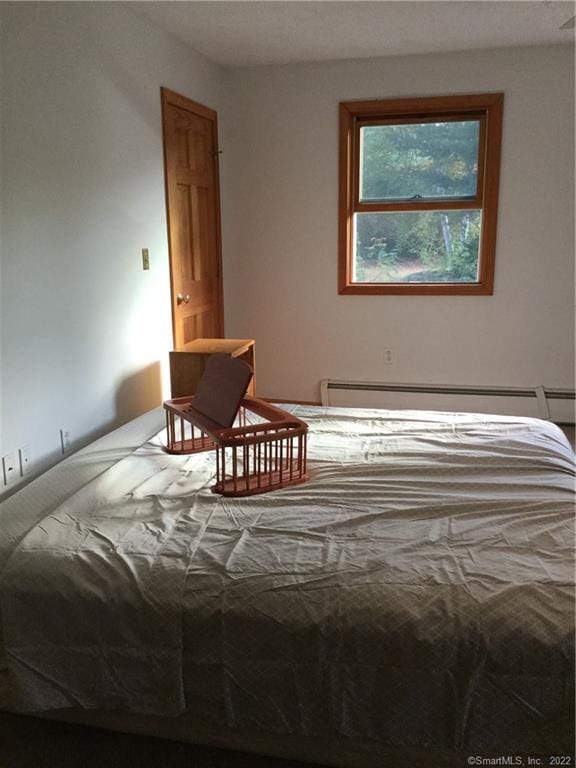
<point>193,211</point>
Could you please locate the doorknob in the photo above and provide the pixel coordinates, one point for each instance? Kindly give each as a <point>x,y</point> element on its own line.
<point>182,299</point>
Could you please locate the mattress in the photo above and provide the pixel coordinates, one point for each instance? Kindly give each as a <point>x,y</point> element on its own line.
<point>21,512</point>
<point>415,594</point>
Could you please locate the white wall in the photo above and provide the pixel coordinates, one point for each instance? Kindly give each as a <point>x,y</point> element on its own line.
<point>281,229</point>
<point>1,209</point>
<point>83,328</point>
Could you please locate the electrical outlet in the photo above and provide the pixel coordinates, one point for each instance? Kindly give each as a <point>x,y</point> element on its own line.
<point>25,456</point>
<point>145,259</point>
<point>65,440</point>
<point>9,468</point>
<point>388,358</point>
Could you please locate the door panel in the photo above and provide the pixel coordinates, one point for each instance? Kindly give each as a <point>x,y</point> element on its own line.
<point>200,325</point>
<point>192,199</point>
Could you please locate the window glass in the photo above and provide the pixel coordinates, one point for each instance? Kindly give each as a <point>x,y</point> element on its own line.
<point>417,247</point>
<point>419,160</point>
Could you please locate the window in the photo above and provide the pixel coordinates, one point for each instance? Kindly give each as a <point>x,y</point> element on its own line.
<point>419,194</point>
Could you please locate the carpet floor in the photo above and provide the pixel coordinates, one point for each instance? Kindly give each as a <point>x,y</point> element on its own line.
<point>27,742</point>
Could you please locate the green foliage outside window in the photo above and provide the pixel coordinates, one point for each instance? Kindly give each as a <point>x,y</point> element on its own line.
<point>417,246</point>
<point>416,161</point>
<point>429,160</point>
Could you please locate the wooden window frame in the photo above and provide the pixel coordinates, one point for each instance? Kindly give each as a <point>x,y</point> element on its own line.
<point>486,107</point>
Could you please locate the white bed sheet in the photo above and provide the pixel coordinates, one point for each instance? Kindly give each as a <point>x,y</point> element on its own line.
<point>417,591</point>
<point>22,511</point>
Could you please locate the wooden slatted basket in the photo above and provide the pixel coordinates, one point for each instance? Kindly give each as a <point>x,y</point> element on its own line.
<point>250,457</point>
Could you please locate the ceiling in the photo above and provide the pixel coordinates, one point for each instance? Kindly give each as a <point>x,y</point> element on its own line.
<point>245,33</point>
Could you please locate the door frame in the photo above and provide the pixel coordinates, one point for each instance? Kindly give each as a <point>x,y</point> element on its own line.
<point>171,97</point>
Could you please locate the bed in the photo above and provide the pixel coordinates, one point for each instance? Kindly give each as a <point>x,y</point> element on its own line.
<point>410,605</point>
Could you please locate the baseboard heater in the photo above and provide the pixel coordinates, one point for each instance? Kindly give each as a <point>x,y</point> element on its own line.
<point>552,404</point>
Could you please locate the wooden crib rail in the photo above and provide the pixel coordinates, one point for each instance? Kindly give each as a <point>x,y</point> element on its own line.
<point>250,458</point>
